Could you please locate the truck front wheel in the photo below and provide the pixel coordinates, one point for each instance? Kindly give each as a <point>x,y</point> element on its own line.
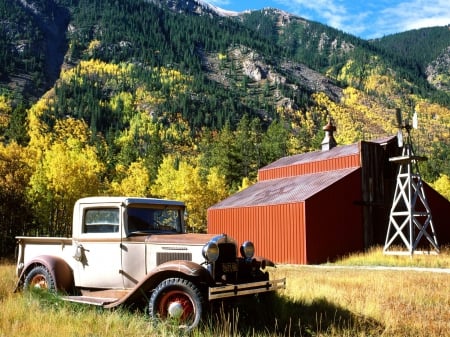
<point>177,299</point>
<point>39,277</point>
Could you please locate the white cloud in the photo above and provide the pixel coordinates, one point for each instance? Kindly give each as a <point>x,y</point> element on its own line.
<point>333,13</point>
<point>416,14</point>
<point>329,9</point>
<point>372,18</point>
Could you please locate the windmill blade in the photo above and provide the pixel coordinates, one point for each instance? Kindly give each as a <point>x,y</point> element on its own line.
<point>398,114</point>
<point>415,121</point>
<point>400,138</point>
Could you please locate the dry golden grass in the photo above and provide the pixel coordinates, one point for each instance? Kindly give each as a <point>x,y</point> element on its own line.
<point>369,302</point>
<point>375,257</point>
<point>331,300</point>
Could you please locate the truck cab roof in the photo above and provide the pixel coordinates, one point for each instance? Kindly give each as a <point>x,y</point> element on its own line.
<point>126,201</point>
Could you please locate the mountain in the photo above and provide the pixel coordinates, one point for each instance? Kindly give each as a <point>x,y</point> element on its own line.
<point>265,64</point>
<point>196,7</point>
<point>427,49</point>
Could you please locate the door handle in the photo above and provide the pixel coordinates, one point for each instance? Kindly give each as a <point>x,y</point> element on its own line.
<point>78,251</point>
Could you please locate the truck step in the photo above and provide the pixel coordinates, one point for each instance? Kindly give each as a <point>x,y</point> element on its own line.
<point>100,301</point>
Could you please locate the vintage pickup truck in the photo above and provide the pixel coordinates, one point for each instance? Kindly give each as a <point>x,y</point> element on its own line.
<point>130,251</point>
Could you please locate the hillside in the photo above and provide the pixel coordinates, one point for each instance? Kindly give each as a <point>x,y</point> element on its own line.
<point>180,99</point>
<point>426,49</point>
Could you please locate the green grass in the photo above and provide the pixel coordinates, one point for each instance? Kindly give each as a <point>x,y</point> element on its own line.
<point>324,301</point>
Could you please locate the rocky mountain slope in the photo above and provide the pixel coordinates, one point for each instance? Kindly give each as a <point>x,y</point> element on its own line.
<point>267,64</point>
<point>303,44</point>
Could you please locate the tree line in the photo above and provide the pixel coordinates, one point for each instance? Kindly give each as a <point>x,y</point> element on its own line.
<point>102,131</point>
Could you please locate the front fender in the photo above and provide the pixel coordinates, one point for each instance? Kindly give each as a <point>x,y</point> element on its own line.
<point>264,262</point>
<point>188,268</point>
<point>177,268</point>
<point>58,268</point>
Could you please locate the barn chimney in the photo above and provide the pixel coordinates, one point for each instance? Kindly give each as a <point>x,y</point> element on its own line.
<point>328,141</point>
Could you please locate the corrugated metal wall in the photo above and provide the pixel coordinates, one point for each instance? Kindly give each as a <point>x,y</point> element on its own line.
<point>332,226</point>
<point>334,221</point>
<point>440,212</point>
<point>278,231</point>
<point>330,164</point>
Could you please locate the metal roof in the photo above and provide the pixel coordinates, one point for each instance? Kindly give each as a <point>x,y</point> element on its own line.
<point>303,158</point>
<point>127,201</point>
<point>335,152</point>
<point>284,190</point>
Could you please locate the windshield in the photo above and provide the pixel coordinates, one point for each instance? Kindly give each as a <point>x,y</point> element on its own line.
<point>151,220</point>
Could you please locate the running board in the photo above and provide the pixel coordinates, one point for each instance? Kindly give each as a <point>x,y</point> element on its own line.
<point>100,301</point>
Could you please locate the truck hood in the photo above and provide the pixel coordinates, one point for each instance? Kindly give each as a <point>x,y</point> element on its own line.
<point>187,239</point>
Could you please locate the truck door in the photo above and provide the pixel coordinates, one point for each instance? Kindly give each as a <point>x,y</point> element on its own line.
<point>98,247</point>
<point>143,222</point>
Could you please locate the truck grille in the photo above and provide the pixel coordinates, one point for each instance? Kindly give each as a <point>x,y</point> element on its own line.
<point>227,252</point>
<point>226,264</point>
<point>166,257</point>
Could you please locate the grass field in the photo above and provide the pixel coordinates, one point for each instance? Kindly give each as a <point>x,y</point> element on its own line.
<point>329,300</point>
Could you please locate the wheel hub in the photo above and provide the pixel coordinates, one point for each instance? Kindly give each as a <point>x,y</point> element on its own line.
<point>39,282</point>
<point>175,310</point>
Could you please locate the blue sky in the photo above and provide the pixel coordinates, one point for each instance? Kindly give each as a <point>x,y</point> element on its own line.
<point>366,19</point>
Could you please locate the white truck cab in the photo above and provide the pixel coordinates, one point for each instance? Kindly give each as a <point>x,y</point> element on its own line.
<point>135,250</point>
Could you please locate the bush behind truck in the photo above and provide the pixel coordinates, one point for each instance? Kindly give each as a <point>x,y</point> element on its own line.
<point>128,251</point>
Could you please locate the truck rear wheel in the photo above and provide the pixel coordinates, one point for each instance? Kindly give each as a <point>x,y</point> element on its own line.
<point>40,277</point>
<point>177,299</point>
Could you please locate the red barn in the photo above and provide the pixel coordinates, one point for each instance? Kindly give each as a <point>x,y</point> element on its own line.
<point>314,207</point>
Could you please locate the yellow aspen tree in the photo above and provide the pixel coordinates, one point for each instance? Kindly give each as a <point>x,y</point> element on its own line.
<point>373,119</point>
<point>245,183</point>
<point>166,184</point>
<point>38,130</point>
<point>177,179</point>
<point>134,180</point>
<point>122,102</point>
<point>205,194</point>
<point>348,128</point>
<point>15,213</point>
<point>5,111</point>
<point>72,172</point>
<point>442,185</point>
<point>69,169</point>
<point>14,171</point>
<point>217,186</point>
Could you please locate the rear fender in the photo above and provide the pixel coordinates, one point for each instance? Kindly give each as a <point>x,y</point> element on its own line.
<point>178,268</point>
<point>58,268</point>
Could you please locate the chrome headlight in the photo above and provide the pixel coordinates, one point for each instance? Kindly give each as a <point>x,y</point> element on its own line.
<point>247,250</point>
<point>210,252</point>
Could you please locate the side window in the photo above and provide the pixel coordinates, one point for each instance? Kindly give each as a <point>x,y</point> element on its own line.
<point>101,220</point>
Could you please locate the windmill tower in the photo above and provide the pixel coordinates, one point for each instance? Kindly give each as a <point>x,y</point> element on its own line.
<point>410,220</point>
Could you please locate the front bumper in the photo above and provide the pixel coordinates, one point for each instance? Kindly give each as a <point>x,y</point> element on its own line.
<point>232,290</point>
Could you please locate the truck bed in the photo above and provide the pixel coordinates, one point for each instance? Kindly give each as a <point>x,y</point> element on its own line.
<point>44,239</point>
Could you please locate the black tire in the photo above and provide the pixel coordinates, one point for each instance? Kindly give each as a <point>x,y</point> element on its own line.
<point>177,299</point>
<point>39,277</point>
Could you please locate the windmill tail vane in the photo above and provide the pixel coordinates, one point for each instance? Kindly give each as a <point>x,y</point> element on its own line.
<point>407,124</point>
